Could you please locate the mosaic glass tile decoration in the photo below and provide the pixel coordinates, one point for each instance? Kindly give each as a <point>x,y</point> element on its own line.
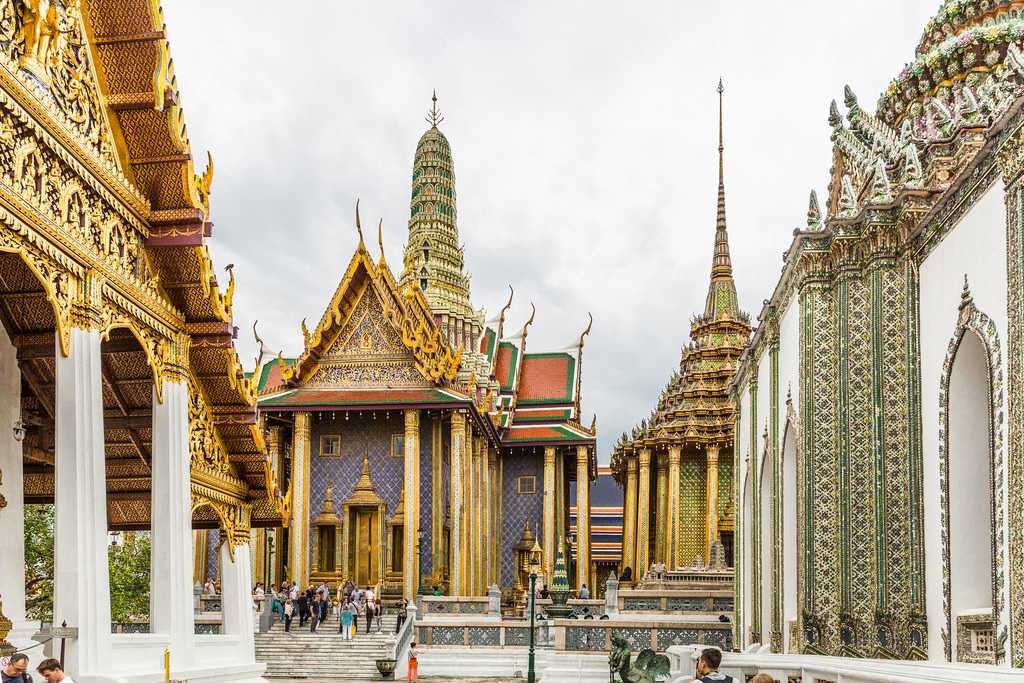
<point>667,637</point>
<point>641,604</point>
<point>638,638</point>
<point>485,635</point>
<point>517,507</point>
<point>584,638</point>
<point>515,637</point>
<point>688,604</point>
<point>448,635</point>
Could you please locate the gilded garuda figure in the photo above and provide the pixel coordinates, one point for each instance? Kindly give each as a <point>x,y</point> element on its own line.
<point>40,27</point>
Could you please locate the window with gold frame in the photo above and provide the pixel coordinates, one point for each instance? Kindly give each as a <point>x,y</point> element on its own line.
<point>330,445</point>
<point>398,445</point>
<point>526,486</point>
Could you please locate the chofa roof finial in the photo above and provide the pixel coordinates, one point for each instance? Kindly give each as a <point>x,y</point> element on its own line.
<point>359,227</point>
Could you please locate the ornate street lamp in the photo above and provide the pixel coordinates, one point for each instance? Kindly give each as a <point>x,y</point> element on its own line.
<point>535,553</point>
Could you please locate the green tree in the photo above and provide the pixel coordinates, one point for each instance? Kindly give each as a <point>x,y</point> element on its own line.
<point>129,578</point>
<point>39,561</point>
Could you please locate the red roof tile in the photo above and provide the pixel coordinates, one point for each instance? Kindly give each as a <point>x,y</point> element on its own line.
<point>547,377</point>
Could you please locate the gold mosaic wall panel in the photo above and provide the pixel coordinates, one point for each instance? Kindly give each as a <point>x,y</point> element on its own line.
<point>692,505</point>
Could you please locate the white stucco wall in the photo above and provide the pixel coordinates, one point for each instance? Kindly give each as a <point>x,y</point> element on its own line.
<point>789,384</point>
<point>12,518</point>
<point>975,247</point>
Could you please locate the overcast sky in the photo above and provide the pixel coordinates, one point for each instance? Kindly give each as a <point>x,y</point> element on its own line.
<point>584,139</point>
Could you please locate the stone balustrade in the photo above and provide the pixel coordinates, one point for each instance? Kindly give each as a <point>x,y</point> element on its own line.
<point>676,601</point>
<point>448,605</point>
<point>588,635</point>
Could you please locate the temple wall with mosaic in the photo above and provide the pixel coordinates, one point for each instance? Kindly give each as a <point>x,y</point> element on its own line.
<point>878,474</point>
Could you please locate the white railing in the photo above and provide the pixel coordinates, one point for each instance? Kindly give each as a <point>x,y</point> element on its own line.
<point>403,640</point>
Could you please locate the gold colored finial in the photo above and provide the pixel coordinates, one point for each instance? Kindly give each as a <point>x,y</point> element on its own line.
<point>380,238</point>
<point>359,227</point>
<point>434,117</point>
<point>587,331</point>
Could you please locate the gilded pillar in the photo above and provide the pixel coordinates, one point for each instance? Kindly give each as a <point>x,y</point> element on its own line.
<point>583,517</point>
<point>661,514</point>
<point>672,541</point>
<point>476,492</point>
<point>493,526</point>
<point>411,556</point>
<point>560,507</point>
<point>486,523</point>
<point>712,501</point>
<point>458,456</point>
<point>629,518</point>
<point>298,531</point>
<point>643,512</point>
<point>438,559</point>
<point>549,512</point>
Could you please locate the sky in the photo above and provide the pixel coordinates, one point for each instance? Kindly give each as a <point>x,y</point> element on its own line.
<point>584,137</point>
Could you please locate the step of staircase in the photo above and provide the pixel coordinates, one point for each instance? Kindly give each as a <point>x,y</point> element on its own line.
<point>324,655</point>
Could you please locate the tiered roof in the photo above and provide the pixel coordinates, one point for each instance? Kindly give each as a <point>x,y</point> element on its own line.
<point>694,408</point>
<point>525,398</point>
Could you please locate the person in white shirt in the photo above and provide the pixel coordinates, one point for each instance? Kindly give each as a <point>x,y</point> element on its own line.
<point>53,672</point>
<point>369,594</point>
<point>584,592</point>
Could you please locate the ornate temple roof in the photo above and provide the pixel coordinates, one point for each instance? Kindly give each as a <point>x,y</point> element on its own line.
<point>526,398</point>
<point>694,408</point>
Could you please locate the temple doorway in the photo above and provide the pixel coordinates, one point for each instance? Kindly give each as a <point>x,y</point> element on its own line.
<point>365,545</point>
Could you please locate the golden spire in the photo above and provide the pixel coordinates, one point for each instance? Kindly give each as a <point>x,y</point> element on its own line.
<point>722,291</point>
<point>434,115</point>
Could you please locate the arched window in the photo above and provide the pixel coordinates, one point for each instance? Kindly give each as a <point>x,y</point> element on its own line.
<point>747,550</point>
<point>789,528</point>
<point>423,279</point>
<point>426,251</point>
<point>767,543</point>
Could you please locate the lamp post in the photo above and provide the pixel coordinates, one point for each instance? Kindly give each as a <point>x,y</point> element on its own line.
<point>531,672</point>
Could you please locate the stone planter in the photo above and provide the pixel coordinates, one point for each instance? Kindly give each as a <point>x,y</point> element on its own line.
<point>386,667</point>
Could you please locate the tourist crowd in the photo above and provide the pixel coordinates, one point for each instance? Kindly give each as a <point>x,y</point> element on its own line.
<point>349,604</point>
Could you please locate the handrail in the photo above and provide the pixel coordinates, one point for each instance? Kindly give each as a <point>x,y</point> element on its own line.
<point>404,638</point>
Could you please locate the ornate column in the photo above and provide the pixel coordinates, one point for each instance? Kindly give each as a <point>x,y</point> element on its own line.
<point>661,514</point>
<point>170,594</point>
<point>549,512</point>
<point>643,512</point>
<point>672,542</point>
<point>486,522</point>
<point>712,501</point>
<point>411,556</point>
<point>467,511</point>
<point>12,518</point>
<point>458,455</point>
<point>494,528</point>
<point>629,518</point>
<point>438,558</point>
<point>475,491</point>
<point>236,603</point>
<point>583,517</point>
<point>561,528</point>
<point>81,573</point>
<point>298,532</point>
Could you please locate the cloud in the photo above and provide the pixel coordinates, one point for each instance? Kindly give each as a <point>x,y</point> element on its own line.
<point>584,139</point>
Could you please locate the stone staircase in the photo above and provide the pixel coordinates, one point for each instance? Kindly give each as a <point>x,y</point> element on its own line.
<point>323,656</point>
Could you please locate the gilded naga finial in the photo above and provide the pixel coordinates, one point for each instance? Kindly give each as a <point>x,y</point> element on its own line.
<point>434,117</point>
<point>359,227</point>
<point>380,238</point>
<point>586,331</point>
